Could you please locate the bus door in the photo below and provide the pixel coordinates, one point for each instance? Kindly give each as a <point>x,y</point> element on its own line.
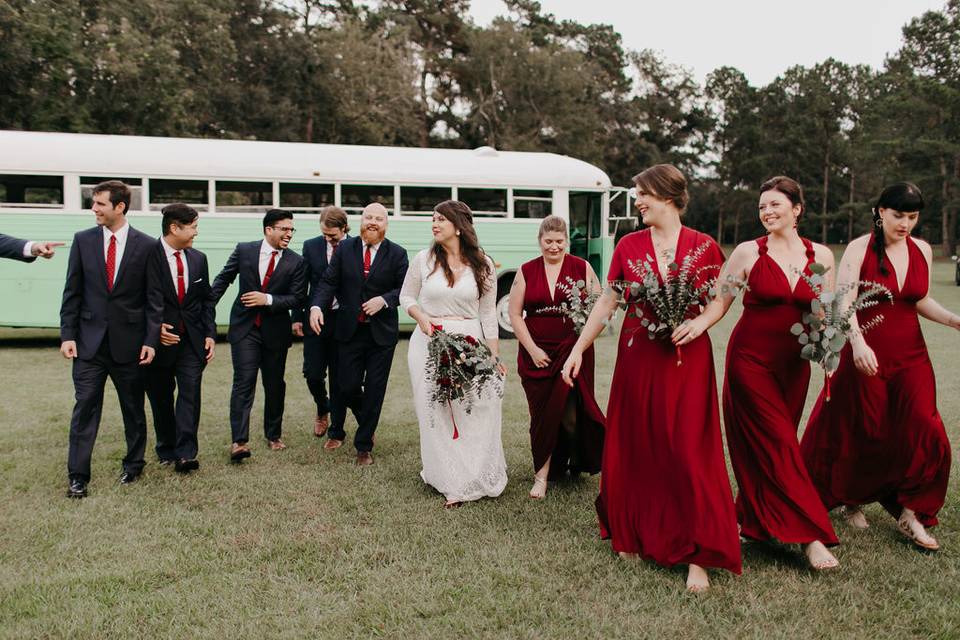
<point>586,227</point>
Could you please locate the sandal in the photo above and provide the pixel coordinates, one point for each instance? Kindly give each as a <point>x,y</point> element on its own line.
<point>904,523</point>
<point>853,515</point>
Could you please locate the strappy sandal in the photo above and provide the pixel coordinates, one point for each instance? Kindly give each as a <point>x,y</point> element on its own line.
<point>850,514</point>
<point>903,524</point>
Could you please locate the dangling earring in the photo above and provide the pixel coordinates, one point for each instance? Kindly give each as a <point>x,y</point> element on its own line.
<point>879,223</point>
<point>458,233</point>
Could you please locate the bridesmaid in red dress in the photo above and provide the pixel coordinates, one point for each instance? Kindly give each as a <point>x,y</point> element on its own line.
<point>881,438</point>
<point>765,383</point>
<point>664,491</point>
<point>566,426</point>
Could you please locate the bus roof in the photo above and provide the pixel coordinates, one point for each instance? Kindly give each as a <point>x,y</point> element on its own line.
<point>135,156</point>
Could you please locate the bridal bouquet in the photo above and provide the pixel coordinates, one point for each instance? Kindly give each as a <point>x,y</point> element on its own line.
<point>461,368</point>
<point>578,304</point>
<point>824,331</point>
<point>669,302</point>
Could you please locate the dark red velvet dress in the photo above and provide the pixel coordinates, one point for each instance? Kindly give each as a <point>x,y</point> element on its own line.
<point>881,438</point>
<point>546,391</point>
<point>664,489</point>
<point>764,390</point>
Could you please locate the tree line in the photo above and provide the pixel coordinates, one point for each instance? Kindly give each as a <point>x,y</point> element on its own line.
<point>422,73</point>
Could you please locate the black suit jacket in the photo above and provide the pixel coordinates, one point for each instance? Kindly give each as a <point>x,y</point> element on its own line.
<point>197,314</point>
<point>287,285</point>
<point>344,281</point>
<point>12,248</point>
<point>315,265</point>
<point>125,314</point>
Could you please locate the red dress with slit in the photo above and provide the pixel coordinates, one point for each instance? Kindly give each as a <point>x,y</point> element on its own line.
<point>764,390</point>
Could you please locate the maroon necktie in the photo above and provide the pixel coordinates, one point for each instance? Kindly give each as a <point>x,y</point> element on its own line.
<point>111,261</point>
<point>367,258</point>
<point>266,281</point>
<point>181,285</point>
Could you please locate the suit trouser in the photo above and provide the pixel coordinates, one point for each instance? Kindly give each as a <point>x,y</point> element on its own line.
<point>249,356</point>
<point>363,371</point>
<point>319,358</point>
<point>176,425</point>
<point>89,378</point>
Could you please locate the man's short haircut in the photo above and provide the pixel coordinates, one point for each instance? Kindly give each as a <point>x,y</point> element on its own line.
<point>119,192</point>
<point>334,217</point>
<point>274,216</point>
<point>178,213</point>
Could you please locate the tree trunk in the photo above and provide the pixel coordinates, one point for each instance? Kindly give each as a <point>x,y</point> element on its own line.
<point>736,227</point>
<point>826,190</point>
<point>308,134</point>
<point>850,212</point>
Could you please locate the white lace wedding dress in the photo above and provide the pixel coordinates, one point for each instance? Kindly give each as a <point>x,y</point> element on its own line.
<point>471,466</point>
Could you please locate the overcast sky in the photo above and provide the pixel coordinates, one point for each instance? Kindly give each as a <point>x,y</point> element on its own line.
<point>762,38</point>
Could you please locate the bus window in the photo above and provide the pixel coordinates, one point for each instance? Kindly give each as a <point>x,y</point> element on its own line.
<point>484,202</point>
<point>87,183</point>
<point>305,197</point>
<point>415,200</point>
<point>244,197</point>
<point>532,203</point>
<point>31,191</point>
<point>354,197</point>
<point>192,192</point>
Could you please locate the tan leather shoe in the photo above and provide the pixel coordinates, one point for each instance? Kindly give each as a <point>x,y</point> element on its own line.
<point>277,445</point>
<point>332,443</point>
<point>364,458</point>
<point>321,424</point>
<point>239,451</point>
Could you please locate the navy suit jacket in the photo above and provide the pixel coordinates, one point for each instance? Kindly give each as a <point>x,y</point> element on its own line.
<point>12,248</point>
<point>195,319</point>
<point>315,265</point>
<point>125,314</point>
<point>344,281</point>
<point>287,285</point>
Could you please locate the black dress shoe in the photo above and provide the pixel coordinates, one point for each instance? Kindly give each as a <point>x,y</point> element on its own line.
<point>77,488</point>
<point>128,477</point>
<point>186,466</point>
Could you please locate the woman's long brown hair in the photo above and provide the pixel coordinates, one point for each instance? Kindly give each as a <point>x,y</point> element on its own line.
<point>462,218</point>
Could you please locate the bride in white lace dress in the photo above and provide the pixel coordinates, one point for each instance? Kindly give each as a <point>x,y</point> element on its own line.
<point>443,287</point>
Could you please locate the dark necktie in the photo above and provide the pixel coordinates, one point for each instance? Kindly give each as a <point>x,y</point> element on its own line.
<point>111,262</point>
<point>266,281</point>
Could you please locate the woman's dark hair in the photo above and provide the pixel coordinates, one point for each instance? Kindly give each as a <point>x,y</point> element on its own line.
<point>901,196</point>
<point>462,218</point>
<point>177,213</point>
<point>666,182</point>
<point>788,187</point>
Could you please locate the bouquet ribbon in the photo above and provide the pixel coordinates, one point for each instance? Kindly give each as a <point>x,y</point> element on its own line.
<point>456,433</point>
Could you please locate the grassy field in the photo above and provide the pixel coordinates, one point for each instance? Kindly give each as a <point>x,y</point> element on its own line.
<point>302,543</point>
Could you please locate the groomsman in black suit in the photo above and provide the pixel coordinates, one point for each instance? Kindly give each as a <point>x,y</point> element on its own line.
<point>108,327</point>
<point>180,285</point>
<point>26,250</point>
<point>365,276</point>
<point>272,283</point>
<point>320,351</point>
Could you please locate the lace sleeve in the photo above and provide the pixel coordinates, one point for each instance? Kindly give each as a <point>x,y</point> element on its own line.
<point>488,306</point>
<point>410,291</point>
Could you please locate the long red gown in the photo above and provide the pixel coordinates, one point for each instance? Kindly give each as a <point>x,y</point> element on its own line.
<point>764,391</point>
<point>664,492</point>
<point>881,438</point>
<point>545,389</point>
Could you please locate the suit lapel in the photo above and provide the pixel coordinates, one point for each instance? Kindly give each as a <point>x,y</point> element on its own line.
<point>279,268</point>
<point>96,245</point>
<point>167,275</point>
<point>129,251</point>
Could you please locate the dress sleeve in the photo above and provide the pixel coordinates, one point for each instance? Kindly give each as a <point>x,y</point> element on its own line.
<point>410,291</point>
<point>488,306</point>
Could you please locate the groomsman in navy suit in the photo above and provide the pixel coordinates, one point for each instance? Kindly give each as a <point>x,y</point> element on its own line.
<point>26,250</point>
<point>180,285</point>
<point>365,276</point>
<point>272,283</point>
<point>320,351</point>
<point>108,327</point>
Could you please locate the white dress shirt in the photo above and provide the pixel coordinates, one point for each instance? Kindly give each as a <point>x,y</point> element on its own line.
<point>265,250</point>
<point>172,263</point>
<point>121,236</point>
<point>28,249</point>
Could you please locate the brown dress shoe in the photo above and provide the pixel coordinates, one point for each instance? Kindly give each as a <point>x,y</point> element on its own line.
<point>364,458</point>
<point>239,451</point>
<point>277,445</point>
<point>321,424</point>
<point>332,443</point>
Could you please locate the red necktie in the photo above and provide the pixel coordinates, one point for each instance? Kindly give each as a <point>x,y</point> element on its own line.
<point>367,258</point>
<point>181,285</point>
<point>266,281</point>
<point>111,261</point>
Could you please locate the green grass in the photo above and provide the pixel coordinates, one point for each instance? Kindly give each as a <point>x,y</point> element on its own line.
<point>301,543</point>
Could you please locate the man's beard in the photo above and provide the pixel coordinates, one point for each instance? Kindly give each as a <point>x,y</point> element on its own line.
<point>371,236</point>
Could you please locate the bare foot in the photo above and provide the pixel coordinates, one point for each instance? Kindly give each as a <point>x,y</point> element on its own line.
<point>854,517</point>
<point>820,557</point>
<point>451,504</point>
<point>697,579</point>
<point>539,489</point>
<point>623,555</point>
<point>913,529</point>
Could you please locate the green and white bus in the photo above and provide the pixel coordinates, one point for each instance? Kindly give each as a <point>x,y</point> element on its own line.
<point>46,180</point>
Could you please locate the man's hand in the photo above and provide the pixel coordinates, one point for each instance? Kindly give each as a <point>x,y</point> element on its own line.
<point>146,355</point>
<point>297,329</point>
<point>373,305</point>
<point>254,299</point>
<point>316,319</point>
<point>209,344</point>
<point>69,349</point>
<point>44,249</point>
<point>168,338</point>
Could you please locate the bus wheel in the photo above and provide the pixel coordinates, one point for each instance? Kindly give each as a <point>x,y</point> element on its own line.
<point>503,306</point>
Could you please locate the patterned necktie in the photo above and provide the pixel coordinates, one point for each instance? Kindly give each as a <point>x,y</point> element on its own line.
<point>367,258</point>
<point>266,281</point>
<point>181,285</point>
<point>111,262</point>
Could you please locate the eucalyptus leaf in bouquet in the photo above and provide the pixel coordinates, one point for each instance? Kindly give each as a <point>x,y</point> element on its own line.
<point>577,305</point>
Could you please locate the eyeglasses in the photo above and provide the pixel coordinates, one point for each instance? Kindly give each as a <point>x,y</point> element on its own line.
<point>289,230</point>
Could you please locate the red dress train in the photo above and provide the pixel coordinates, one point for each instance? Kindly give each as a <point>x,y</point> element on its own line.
<point>546,391</point>
<point>664,492</point>
<point>881,438</point>
<point>765,387</point>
